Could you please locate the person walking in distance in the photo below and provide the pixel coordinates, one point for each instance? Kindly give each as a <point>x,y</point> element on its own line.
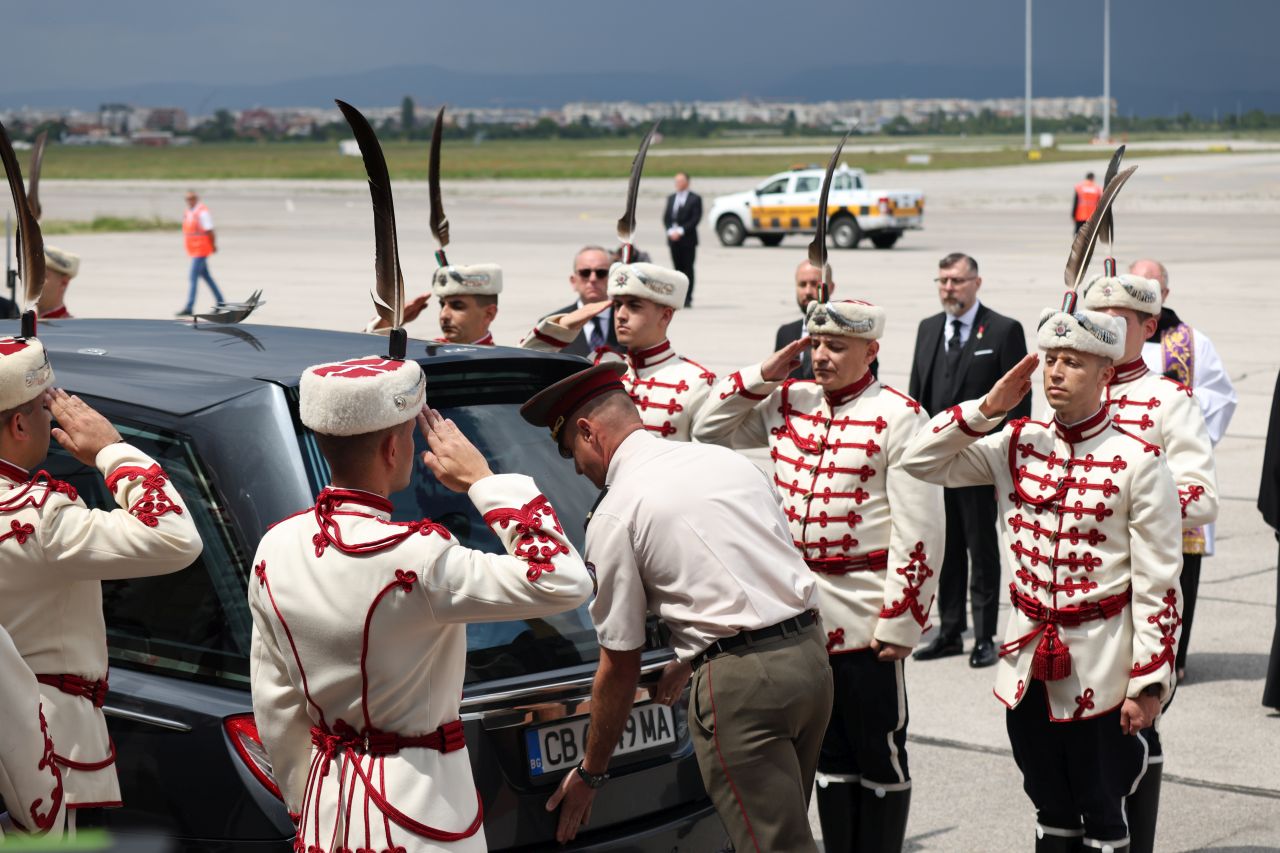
<point>1085,201</point>
<point>681,217</point>
<point>197,233</point>
<point>959,354</point>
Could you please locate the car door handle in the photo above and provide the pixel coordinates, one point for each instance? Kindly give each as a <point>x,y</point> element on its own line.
<point>145,719</point>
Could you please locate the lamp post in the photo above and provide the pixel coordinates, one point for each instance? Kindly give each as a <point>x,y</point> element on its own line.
<point>1106,70</point>
<point>1026,108</point>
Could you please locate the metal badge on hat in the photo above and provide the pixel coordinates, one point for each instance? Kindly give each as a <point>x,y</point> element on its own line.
<point>627,224</point>
<point>30,241</point>
<point>1101,225</point>
<point>388,295</point>
<point>818,247</point>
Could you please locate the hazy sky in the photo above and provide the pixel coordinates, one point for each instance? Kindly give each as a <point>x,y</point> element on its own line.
<point>1204,45</point>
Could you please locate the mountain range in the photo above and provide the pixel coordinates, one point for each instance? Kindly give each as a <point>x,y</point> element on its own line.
<point>1144,95</point>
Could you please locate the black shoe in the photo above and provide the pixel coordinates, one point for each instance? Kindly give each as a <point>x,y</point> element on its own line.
<point>186,312</point>
<point>984,654</point>
<point>941,647</point>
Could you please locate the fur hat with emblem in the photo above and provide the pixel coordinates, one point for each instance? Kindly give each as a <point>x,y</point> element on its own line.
<point>361,395</point>
<point>1083,331</point>
<point>1122,291</point>
<point>850,318</point>
<point>473,280</point>
<point>24,371</point>
<point>649,281</point>
<point>60,260</point>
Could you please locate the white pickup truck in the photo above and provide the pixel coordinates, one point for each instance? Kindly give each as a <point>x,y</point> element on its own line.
<point>787,203</point>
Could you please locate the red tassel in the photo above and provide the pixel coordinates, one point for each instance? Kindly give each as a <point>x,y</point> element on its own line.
<point>1052,660</point>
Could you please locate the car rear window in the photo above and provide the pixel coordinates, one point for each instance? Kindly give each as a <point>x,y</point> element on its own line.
<point>486,407</point>
<point>192,624</point>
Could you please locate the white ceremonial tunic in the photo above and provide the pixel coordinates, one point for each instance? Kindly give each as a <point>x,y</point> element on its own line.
<point>1089,523</point>
<point>30,781</point>
<point>869,531</point>
<point>668,389</point>
<point>359,636</point>
<point>1164,413</point>
<point>694,535</point>
<point>55,553</point>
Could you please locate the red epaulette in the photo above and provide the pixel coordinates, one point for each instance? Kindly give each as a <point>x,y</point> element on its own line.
<point>706,374</point>
<point>1147,446</point>
<point>911,403</point>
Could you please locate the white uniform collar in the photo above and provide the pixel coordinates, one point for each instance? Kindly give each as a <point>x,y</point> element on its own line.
<point>631,445</point>
<point>1086,429</point>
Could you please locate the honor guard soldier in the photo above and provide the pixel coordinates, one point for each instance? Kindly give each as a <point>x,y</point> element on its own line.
<point>359,640</point>
<point>1163,412</point>
<point>56,551</point>
<point>867,530</point>
<point>30,781</point>
<point>668,389</point>
<point>694,534</point>
<point>60,267</point>
<point>1090,522</point>
<point>359,622</point>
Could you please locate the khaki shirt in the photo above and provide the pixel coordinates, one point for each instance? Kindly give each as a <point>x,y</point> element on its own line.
<point>695,535</point>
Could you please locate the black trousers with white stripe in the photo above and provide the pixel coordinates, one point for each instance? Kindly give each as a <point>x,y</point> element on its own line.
<point>1077,773</point>
<point>866,740</point>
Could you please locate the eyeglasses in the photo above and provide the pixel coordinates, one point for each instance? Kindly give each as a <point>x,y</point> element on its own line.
<point>947,280</point>
<point>599,272</point>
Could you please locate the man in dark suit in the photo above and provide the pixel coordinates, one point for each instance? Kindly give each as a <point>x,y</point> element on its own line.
<point>681,217</point>
<point>589,279</point>
<point>960,353</point>
<point>808,289</point>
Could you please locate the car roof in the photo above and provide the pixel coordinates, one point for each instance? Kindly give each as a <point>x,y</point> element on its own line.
<point>177,367</point>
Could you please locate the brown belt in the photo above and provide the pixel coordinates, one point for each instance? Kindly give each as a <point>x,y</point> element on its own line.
<point>1052,660</point>
<point>74,685</point>
<point>872,561</point>
<point>448,738</point>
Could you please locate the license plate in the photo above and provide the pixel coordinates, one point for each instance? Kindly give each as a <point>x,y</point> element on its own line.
<point>562,744</point>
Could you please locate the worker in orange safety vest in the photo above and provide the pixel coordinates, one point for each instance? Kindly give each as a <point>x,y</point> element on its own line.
<point>1088,194</point>
<point>197,233</point>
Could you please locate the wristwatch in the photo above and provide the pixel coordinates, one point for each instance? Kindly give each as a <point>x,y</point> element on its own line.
<point>593,781</point>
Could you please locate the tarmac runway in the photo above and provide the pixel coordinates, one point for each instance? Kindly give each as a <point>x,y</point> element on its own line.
<point>1214,220</point>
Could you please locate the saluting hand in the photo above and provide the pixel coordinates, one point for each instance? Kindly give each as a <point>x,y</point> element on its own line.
<point>778,366</point>
<point>83,431</point>
<point>575,320</point>
<point>454,460</point>
<point>1010,388</point>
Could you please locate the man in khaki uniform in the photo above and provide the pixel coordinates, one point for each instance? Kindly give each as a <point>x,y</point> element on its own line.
<point>695,534</point>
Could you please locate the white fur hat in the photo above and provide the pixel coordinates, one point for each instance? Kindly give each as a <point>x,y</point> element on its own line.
<point>24,371</point>
<point>649,281</point>
<point>361,395</point>
<point>473,280</point>
<point>1082,331</point>
<point>850,318</point>
<point>1121,291</point>
<point>60,260</point>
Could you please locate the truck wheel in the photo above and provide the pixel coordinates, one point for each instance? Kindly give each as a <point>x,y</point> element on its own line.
<point>771,239</point>
<point>845,233</point>
<point>730,231</point>
<point>885,240</point>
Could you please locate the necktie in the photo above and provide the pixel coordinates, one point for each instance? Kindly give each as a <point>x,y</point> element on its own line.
<point>595,335</point>
<point>592,511</point>
<point>953,348</point>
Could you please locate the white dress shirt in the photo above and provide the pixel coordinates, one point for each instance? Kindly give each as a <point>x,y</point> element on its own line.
<point>966,325</point>
<point>695,534</point>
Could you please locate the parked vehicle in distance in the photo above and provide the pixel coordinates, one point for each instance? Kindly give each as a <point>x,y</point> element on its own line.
<point>217,407</point>
<point>787,203</point>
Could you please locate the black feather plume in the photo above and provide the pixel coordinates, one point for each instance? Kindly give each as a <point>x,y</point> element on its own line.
<point>30,242</point>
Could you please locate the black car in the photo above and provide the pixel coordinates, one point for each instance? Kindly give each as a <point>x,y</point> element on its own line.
<point>217,407</point>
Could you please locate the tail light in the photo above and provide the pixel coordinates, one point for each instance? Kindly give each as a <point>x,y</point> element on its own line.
<point>243,734</point>
<point>885,207</point>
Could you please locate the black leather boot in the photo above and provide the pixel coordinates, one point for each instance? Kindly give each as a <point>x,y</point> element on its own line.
<point>838,815</point>
<point>883,823</point>
<point>1143,807</point>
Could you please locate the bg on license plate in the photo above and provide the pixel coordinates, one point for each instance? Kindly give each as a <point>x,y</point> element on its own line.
<point>563,743</point>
